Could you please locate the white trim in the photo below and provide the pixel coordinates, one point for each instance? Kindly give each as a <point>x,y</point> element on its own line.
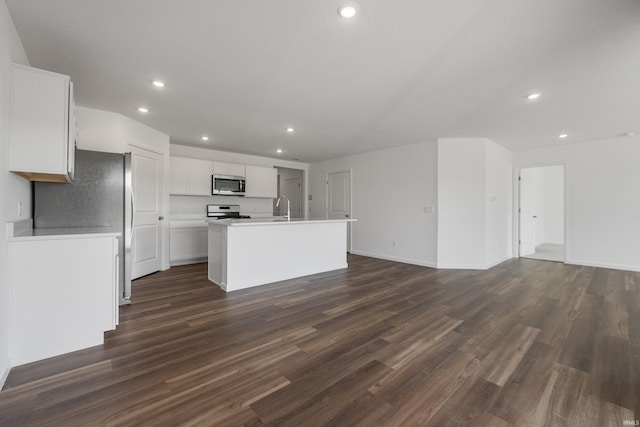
<point>146,147</point>
<point>462,267</point>
<point>603,265</point>
<point>499,261</point>
<point>396,259</point>
<point>474,266</point>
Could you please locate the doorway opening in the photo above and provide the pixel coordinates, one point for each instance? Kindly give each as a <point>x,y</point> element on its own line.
<point>541,213</point>
<point>290,185</point>
<point>338,203</point>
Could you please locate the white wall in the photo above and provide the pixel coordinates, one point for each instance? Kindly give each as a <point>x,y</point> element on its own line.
<point>100,130</point>
<point>554,204</point>
<point>182,206</point>
<point>602,199</point>
<point>474,203</point>
<point>391,189</point>
<point>499,203</point>
<point>461,203</point>
<point>13,189</point>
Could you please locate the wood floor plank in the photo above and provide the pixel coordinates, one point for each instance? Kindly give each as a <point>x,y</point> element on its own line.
<point>381,343</point>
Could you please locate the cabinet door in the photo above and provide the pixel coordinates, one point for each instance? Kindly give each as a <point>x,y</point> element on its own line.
<point>179,175</point>
<point>201,242</point>
<point>181,244</point>
<point>232,169</point>
<point>261,182</point>
<point>200,172</point>
<point>39,124</point>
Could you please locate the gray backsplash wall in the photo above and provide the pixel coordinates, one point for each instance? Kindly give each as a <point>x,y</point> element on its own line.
<point>196,205</point>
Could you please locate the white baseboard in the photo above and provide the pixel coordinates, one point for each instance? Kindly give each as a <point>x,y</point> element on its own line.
<point>500,261</point>
<point>445,266</point>
<point>474,266</point>
<point>604,265</point>
<point>5,374</point>
<point>177,263</point>
<point>396,259</point>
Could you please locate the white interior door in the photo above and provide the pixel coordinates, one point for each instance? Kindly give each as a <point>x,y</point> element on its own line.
<point>339,199</point>
<point>527,213</point>
<point>292,189</point>
<point>146,177</point>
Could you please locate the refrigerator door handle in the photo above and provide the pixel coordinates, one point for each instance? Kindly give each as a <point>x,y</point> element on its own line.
<point>129,207</point>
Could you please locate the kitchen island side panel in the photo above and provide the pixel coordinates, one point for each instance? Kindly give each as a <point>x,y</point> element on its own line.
<point>258,255</point>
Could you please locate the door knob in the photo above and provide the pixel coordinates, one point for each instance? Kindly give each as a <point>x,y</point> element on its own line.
<point>346,216</point>
<point>160,218</point>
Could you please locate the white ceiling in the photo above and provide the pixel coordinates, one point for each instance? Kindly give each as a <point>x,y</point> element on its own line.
<point>400,72</point>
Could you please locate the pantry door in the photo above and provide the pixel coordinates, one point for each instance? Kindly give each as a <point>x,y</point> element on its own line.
<point>146,180</point>
<point>339,199</point>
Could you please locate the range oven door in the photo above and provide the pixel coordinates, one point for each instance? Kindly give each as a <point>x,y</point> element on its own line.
<point>226,185</point>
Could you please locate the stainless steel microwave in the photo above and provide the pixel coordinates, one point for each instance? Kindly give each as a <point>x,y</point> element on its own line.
<point>227,185</point>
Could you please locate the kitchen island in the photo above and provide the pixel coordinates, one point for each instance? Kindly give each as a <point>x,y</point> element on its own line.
<point>250,252</point>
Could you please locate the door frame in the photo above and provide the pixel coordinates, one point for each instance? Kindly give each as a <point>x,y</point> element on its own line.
<point>326,201</point>
<point>516,205</point>
<point>303,189</point>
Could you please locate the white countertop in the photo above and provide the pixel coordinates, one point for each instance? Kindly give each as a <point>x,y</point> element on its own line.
<point>64,233</point>
<point>273,221</point>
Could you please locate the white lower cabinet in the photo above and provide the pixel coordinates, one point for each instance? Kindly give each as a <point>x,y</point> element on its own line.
<point>64,294</point>
<point>188,245</point>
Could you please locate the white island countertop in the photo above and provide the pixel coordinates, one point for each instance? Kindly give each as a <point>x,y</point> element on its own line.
<point>278,220</point>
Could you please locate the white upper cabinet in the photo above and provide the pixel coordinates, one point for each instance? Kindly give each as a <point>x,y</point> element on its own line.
<point>190,177</point>
<point>233,169</point>
<point>41,125</point>
<point>179,175</point>
<point>200,172</point>
<point>261,182</point>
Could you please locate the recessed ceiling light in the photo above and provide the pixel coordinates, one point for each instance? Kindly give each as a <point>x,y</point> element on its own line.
<point>289,129</point>
<point>205,138</point>
<point>533,96</point>
<point>347,11</point>
<point>143,109</point>
<point>563,135</point>
<point>279,150</point>
<point>158,83</point>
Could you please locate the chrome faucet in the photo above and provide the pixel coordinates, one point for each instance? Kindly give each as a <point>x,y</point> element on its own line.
<point>288,215</point>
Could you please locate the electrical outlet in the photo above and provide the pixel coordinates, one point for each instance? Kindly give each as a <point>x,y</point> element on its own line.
<point>20,209</point>
<point>394,243</point>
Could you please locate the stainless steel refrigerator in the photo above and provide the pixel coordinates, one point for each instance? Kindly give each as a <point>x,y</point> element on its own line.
<point>100,196</point>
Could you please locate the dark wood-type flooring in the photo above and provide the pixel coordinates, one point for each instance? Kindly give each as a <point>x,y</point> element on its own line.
<point>378,344</point>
